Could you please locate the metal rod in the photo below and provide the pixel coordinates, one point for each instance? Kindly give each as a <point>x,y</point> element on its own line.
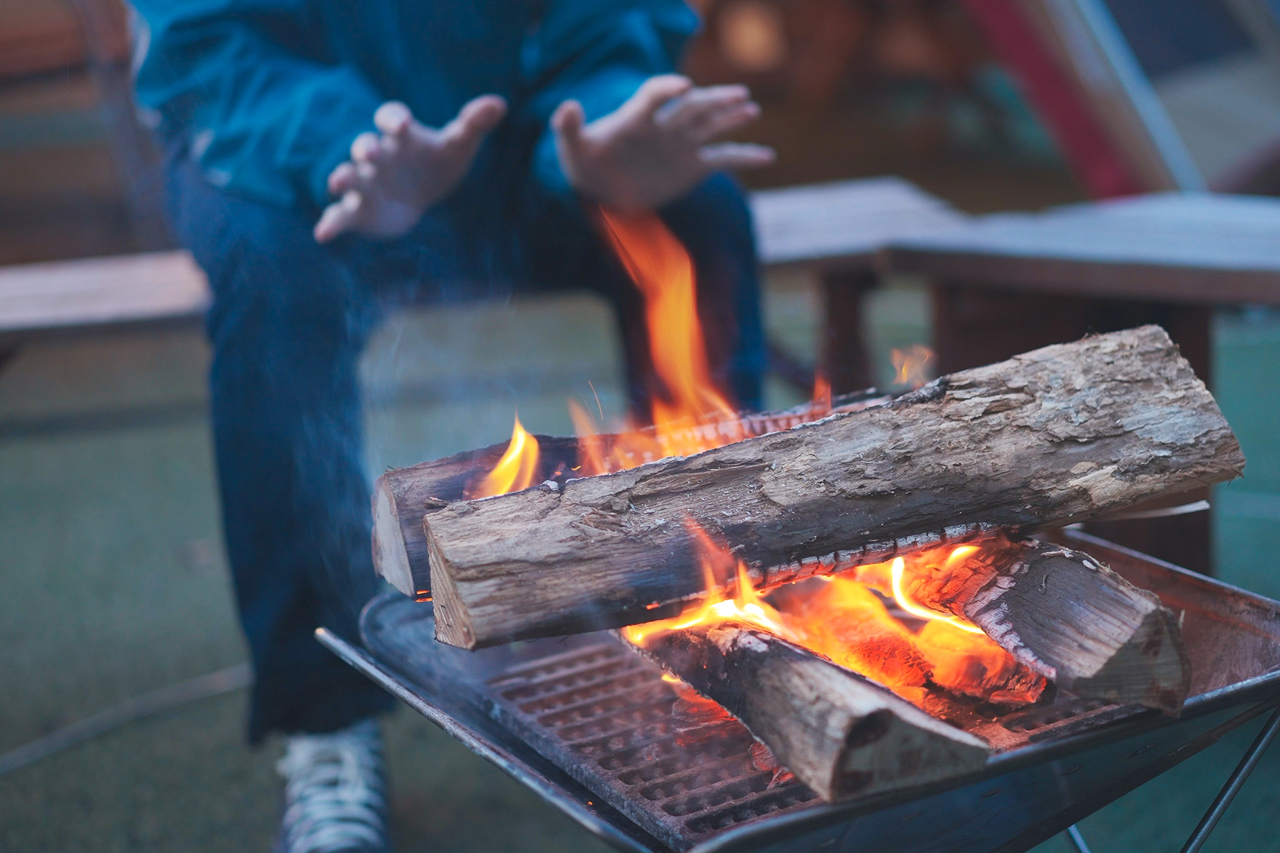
<point>1077,839</point>
<point>1238,777</point>
<point>150,704</point>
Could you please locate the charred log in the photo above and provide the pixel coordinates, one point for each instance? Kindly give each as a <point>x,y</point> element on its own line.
<point>1071,619</point>
<point>839,733</point>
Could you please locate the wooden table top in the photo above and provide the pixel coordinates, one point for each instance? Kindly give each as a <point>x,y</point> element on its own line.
<point>1170,247</point>
<point>843,224</point>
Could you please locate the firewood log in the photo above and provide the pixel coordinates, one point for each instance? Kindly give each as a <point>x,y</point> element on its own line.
<point>1058,435</point>
<point>1071,619</point>
<point>402,496</point>
<point>839,733</point>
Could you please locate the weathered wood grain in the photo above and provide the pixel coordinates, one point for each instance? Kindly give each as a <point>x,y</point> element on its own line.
<point>1053,436</point>
<point>402,496</point>
<point>839,733</point>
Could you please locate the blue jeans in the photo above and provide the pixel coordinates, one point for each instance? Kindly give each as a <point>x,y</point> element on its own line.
<point>288,322</point>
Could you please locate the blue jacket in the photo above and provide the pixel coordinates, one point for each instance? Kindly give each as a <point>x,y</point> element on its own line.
<point>270,93</point>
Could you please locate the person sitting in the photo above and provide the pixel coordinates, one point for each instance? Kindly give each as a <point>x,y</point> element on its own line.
<point>327,161</point>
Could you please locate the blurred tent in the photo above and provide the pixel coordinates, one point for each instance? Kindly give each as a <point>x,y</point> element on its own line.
<point>1147,95</point>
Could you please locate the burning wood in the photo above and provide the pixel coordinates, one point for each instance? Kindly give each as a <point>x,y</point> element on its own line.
<point>1054,436</point>
<point>846,622</point>
<point>810,672</point>
<point>403,495</point>
<point>841,734</point>
<point>1064,615</point>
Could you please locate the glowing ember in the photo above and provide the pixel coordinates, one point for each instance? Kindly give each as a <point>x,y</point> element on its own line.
<point>898,570</point>
<point>746,606</point>
<point>516,469</point>
<point>847,619</point>
<point>849,624</point>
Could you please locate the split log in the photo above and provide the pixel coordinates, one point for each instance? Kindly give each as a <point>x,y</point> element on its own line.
<point>839,733</point>
<point>1070,618</point>
<point>1054,436</point>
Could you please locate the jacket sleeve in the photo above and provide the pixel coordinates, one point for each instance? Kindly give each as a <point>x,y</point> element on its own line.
<point>597,52</point>
<point>247,83</point>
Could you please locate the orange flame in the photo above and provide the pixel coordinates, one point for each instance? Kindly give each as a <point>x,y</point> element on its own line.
<point>820,405</point>
<point>686,400</point>
<point>746,606</point>
<point>663,271</point>
<point>846,622</point>
<point>515,470</point>
<point>898,570</point>
<point>911,366</point>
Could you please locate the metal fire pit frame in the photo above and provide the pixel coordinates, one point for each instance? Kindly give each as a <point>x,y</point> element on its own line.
<point>1022,797</point>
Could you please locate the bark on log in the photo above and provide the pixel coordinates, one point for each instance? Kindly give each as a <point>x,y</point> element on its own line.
<point>841,734</point>
<point>1057,435</point>
<point>402,496</point>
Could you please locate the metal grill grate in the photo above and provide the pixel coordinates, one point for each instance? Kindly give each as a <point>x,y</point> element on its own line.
<point>605,716</point>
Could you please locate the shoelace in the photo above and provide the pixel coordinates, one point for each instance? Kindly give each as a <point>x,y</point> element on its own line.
<point>333,793</point>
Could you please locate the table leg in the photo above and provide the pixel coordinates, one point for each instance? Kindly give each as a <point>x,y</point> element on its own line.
<point>7,352</point>
<point>845,359</point>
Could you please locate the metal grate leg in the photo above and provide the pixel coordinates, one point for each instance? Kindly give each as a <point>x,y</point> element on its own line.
<point>1236,781</point>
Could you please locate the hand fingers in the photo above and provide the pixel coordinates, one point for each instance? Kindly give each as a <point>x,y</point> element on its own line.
<point>736,155</point>
<point>342,179</point>
<point>655,92</point>
<point>338,218</point>
<point>722,122</point>
<point>476,118</point>
<point>567,122</point>
<point>392,118</point>
<point>365,147</point>
<point>352,176</point>
<point>695,104</point>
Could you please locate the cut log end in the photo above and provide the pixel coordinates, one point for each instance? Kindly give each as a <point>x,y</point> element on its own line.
<point>1152,668</point>
<point>453,621</point>
<point>390,557</point>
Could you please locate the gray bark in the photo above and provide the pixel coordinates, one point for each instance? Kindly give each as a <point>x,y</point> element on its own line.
<point>1053,436</point>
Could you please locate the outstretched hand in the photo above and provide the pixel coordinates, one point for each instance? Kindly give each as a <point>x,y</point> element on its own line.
<point>394,175</point>
<point>658,145</point>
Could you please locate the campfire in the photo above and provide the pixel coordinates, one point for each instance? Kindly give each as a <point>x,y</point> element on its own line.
<point>855,580</point>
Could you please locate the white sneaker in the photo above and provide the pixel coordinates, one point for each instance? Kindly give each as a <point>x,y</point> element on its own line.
<point>335,792</point>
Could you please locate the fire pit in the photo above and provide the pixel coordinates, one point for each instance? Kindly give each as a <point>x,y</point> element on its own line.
<point>599,733</point>
<point>836,623</point>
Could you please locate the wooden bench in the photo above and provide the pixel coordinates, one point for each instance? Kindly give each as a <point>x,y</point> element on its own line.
<point>125,292</point>
<point>1009,283</point>
<point>833,229</point>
